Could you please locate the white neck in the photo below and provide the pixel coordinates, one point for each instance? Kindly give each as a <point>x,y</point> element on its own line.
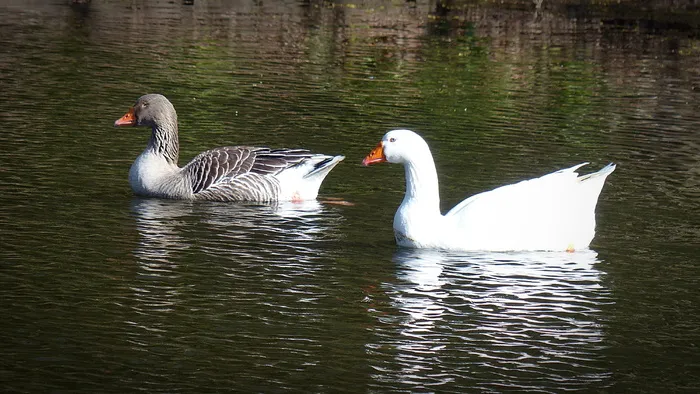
<point>422,184</point>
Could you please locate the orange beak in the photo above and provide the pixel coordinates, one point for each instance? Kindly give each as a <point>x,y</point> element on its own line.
<point>129,119</point>
<point>375,156</point>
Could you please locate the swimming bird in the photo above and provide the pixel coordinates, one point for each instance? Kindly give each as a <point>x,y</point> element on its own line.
<point>555,212</point>
<point>231,173</point>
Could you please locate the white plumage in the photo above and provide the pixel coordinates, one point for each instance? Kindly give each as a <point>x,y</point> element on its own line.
<point>554,212</point>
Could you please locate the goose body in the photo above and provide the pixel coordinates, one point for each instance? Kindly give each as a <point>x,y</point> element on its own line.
<point>555,212</point>
<point>232,173</point>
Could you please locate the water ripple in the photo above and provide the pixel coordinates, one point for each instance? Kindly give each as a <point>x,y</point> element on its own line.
<point>215,261</point>
<point>505,319</point>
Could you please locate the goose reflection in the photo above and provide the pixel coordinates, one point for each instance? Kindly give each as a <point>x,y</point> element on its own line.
<point>192,255</point>
<point>260,233</point>
<point>156,288</point>
<point>533,320</point>
<point>167,228</point>
<point>157,223</point>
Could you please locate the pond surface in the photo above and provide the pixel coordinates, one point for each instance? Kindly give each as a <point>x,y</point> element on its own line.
<point>103,291</point>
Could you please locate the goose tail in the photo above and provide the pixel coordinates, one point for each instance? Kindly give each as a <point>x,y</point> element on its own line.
<point>603,172</point>
<point>324,166</point>
<point>302,181</point>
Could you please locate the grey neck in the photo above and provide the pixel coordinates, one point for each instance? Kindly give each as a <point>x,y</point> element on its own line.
<point>164,141</point>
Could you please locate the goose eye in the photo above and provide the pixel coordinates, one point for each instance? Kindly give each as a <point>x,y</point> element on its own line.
<point>392,139</point>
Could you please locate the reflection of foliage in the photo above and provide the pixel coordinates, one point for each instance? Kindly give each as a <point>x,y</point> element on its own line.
<point>481,70</point>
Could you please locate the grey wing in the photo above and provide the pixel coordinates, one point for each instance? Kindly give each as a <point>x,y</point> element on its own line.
<point>240,173</point>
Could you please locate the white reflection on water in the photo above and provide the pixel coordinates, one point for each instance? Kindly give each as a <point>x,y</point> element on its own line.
<point>166,227</point>
<point>497,321</point>
<point>156,287</point>
<point>192,255</point>
<point>157,223</point>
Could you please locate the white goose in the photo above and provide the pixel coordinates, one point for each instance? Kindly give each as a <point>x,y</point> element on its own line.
<point>555,212</point>
<point>232,173</point>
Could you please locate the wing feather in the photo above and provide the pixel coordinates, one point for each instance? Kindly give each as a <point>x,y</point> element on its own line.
<point>235,173</point>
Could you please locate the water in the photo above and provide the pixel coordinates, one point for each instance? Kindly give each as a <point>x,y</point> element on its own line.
<point>106,292</point>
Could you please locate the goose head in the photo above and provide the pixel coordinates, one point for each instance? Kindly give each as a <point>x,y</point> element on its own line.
<point>398,146</point>
<point>149,110</point>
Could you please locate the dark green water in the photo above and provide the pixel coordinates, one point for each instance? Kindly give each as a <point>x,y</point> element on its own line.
<point>106,292</point>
